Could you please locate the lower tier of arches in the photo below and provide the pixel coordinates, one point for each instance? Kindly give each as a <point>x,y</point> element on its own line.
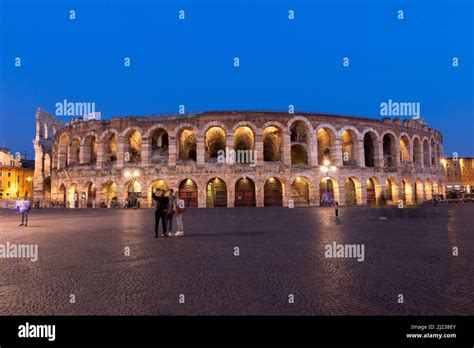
<point>269,190</point>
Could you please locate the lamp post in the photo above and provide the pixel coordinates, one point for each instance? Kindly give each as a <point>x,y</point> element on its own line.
<point>327,168</point>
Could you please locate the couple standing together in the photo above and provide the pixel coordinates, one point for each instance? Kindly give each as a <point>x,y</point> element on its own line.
<point>166,207</point>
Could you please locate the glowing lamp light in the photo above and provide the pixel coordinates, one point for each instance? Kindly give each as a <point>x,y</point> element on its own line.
<point>326,162</point>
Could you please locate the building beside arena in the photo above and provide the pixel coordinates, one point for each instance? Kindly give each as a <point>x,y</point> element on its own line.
<point>303,159</point>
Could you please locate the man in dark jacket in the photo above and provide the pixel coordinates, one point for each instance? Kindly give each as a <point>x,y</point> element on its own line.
<point>160,211</point>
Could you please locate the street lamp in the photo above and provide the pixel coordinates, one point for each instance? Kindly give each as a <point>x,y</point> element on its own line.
<point>327,168</point>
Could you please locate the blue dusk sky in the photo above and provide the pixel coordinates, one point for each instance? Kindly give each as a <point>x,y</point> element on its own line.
<point>282,61</point>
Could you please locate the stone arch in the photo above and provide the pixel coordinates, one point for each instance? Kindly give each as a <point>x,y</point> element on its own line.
<point>418,191</point>
<point>272,143</point>
<point>417,151</point>
<point>426,152</point>
<point>106,133</point>
<point>352,191</point>
<point>389,149</point>
<point>89,194</point>
<point>46,191</point>
<point>248,124</point>
<point>301,191</point>
<point>326,140</point>
<point>244,138</point>
<point>374,191</point>
<point>406,191</point>
<point>273,193</point>
<point>153,185</point>
<point>158,143</point>
<point>215,142</point>
<point>304,120</point>
<point>350,146</point>
<point>89,148</point>
<point>109,140</point>
<point>188,191</point>
<point>216,193</point>
<point>351,128</point>
<point>187,143</point>
<point>132,138</point>
<point>62,195</point>
<point>108,194</point>
<point>299,154</point>
<point>434,159</point>
<point>203,130</point>
<point>371,148</point>
<point>156,126</point>
<point>328,191</point>
<point>436,187</point>
<point>391,190</point>
<point>74,151</point>
<point>245,192</point>
<point>428,189</point>
<point>405,149</point>
<point>73,196</point>
<point>63,146</point>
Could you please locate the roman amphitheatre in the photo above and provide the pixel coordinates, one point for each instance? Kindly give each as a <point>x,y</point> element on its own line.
<point>303,159</point>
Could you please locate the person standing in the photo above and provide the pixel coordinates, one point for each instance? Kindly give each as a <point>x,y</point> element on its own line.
<point>336,208</point>
<point>179,209</point>
<point>23,207</point>
<point>160,211</point>
<point>170,211</point>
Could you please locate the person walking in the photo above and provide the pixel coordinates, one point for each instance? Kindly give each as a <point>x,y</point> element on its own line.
<point>23,207</point>
<point>160,211</point>
<point>336,208</point>
<point>170,211</point>
<point>179,209</point>
<point>436,204</point>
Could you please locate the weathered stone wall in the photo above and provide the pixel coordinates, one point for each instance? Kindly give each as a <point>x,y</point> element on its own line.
<point>74,180</point>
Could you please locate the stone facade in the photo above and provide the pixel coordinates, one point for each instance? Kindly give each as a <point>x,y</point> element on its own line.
<point>368,161</point>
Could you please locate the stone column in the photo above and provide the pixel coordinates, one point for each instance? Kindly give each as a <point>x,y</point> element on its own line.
<point>363,191</point>
<point>361,157</point>
<point>286,148</point>
<point>230,192</point>
<point>229,140</point>
<point>172,151</point>
<point>378,154</point>
<point>314,197</point>
<point>146,151</point>
<point>259,195</point>
<point>39,131</point>
<point>342,191</point>
<point>337,156</point>
<point>200,151</point>
<point>120,152</point>
<point>38,173</point>
<point>397,153</point>
<point>100,155</point>
<point>395,192</point>
<point>313,150</point>
<point>84,156</point>
<point>259,147</point>
<point>201,196</point>
<point>383,192</point>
